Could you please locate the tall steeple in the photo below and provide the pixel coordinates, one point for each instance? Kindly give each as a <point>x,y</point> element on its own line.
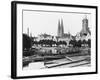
<point>58,32</point>
<point>28,31</point>
<point>60,28</point>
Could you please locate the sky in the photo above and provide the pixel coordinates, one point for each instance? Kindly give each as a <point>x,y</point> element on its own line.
<point>40,22</point>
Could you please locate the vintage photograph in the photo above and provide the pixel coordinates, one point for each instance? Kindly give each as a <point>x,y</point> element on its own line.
<point>56,39</point>
<point>53,39</point>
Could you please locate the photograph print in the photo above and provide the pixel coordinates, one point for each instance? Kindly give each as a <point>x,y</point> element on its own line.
<point>55,40</point>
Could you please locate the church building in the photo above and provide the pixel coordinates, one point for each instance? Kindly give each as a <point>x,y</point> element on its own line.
<point>85,33</point>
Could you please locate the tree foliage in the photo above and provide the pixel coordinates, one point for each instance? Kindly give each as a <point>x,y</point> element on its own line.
<point>79,43</point>
<point>26,42</point>
<point>49,42</point>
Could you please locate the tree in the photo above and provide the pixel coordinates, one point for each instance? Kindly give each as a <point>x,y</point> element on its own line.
<point>73,42</point>
<point>26,42</point>
<point>78,43</point>
<point>89,42</point>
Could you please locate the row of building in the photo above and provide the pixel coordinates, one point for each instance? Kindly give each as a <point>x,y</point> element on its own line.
<point>84,34</point>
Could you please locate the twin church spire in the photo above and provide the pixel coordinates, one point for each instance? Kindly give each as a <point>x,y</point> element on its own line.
<point>85,29</point>
<point>60,28</point>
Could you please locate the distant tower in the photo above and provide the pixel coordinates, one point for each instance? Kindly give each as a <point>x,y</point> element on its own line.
<point>28,31</point>
<point>60,28</point>
<point>85,28</point>
<point>85,24</point>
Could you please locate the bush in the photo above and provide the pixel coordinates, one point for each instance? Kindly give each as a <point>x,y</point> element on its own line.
<point>26,42</point>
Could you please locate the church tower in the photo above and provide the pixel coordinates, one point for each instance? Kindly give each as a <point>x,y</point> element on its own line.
<point>58,32</point>
<point>85,28</point>
<point>60,28</point>
<point>28,31</point>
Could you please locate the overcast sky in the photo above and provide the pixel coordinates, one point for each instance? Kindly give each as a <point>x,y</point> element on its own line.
<point>47,22</point>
